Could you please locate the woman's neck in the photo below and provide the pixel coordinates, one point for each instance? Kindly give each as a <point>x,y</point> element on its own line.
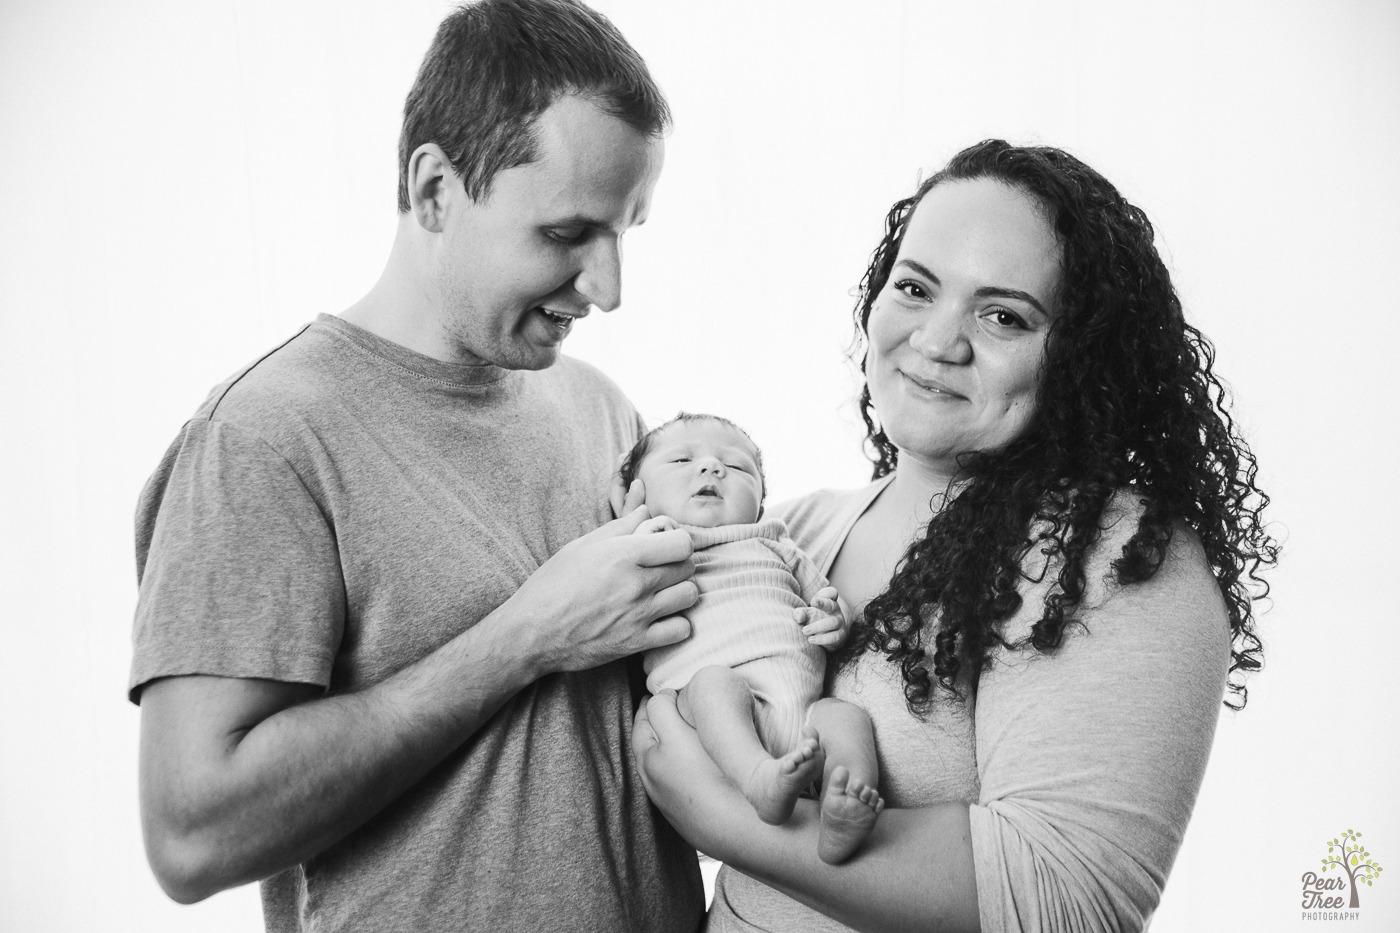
<point>916,486</point>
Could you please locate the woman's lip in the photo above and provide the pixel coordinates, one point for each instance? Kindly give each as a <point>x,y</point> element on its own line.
<point>931,385</point>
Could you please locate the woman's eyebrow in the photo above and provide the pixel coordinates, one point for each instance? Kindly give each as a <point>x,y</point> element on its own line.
<point>920,268</point>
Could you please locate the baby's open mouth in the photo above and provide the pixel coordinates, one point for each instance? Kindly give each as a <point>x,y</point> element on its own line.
<point>708,491</point>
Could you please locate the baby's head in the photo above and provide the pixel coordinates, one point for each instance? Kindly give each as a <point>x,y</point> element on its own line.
<point>699,470</point>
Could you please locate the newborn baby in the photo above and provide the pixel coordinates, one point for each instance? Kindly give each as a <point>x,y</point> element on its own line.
<point>749,677</point>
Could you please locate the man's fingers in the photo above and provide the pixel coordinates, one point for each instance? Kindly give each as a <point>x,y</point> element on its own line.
<point>625,499</point>
<point>617,497</point>
<point>626,524</point>
<point>665,631</point>
<point>653,525</point>
<point>635,495</point>
<point>664,547</point>
<point>675,598</point>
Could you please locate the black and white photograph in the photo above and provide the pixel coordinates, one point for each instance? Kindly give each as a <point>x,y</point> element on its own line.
<point>631,465</point>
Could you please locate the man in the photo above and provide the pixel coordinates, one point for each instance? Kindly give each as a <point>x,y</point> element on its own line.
<point>380,641</point>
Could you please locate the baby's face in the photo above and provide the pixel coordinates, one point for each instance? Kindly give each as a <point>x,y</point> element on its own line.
<point>703,473</point>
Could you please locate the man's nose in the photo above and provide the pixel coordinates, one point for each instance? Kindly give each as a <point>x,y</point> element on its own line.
<point>600,279</point>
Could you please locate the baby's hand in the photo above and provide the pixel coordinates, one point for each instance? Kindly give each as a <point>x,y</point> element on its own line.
<point>824,623</point>
<point>659,523</point>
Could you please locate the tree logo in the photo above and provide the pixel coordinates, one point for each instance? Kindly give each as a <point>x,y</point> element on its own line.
<point>1353,860</point>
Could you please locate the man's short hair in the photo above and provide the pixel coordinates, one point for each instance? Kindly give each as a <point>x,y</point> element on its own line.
<point>496,65</point>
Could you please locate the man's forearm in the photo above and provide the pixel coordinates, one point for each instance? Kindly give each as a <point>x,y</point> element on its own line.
<point>243,778</point>
<point>279,778</point>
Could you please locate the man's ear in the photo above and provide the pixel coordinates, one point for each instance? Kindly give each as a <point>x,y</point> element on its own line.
<point>430,186</point>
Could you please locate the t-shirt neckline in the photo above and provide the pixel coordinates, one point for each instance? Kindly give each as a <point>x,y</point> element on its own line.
<point>457,374</point>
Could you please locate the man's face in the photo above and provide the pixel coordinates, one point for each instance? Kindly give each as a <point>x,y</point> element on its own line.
<point>515,269</point>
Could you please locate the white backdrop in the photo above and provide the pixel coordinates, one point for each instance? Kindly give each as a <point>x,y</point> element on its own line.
<point>184,184</point>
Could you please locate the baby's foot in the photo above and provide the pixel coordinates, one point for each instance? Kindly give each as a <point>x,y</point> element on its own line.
<point>775,784</point>
<point>849,808</point>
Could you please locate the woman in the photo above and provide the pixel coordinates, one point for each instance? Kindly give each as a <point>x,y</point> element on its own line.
<point>1055,565</point>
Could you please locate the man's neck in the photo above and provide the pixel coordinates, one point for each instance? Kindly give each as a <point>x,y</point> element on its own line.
<point>403,307</point>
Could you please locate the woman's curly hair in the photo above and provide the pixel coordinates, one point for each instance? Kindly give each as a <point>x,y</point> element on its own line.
<point>1127,399</point>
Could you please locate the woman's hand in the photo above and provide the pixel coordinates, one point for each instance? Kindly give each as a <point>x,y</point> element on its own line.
<point>679,776</point>
<point>914,873</point>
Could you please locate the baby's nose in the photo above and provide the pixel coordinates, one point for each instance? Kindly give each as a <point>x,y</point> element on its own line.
<point>712,465</point>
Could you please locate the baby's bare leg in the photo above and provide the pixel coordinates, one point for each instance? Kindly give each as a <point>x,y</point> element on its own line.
<point>850,801</point>
<point>719,704</point>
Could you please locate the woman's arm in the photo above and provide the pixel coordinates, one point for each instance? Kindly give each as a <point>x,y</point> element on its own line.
<point>915,872</point>
<point>1089,759</point>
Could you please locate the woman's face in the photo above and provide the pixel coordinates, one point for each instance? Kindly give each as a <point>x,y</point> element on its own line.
<point>958,332</point>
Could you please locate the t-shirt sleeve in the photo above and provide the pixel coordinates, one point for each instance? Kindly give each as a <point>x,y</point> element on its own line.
<point>1090,758</point>
<point>238,568</point>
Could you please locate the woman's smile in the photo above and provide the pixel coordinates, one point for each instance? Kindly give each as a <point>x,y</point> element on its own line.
<point>933,388</point>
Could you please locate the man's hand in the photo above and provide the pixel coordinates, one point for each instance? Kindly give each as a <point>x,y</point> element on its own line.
<point>243,778</point>
<point>624,499</point>
<point>824,622</point>
<point>606,595</point>
<point>659,523</point>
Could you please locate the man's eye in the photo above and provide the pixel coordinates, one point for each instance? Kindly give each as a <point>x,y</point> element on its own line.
<point>565,234</point>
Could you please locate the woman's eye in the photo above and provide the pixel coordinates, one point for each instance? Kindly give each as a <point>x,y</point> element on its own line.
<point>1004,318</point>
<point>911,288</point>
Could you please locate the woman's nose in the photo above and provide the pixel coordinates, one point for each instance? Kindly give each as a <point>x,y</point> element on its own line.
<point>941,336</point>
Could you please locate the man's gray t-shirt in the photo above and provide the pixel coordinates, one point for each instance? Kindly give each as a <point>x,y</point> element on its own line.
<point>341,509</point>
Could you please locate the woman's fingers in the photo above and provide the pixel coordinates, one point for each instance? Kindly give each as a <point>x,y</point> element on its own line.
<point>663,716</point>
<point>643,735</point>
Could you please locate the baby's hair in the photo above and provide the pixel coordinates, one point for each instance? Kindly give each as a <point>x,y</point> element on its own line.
<point>632,463</point>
